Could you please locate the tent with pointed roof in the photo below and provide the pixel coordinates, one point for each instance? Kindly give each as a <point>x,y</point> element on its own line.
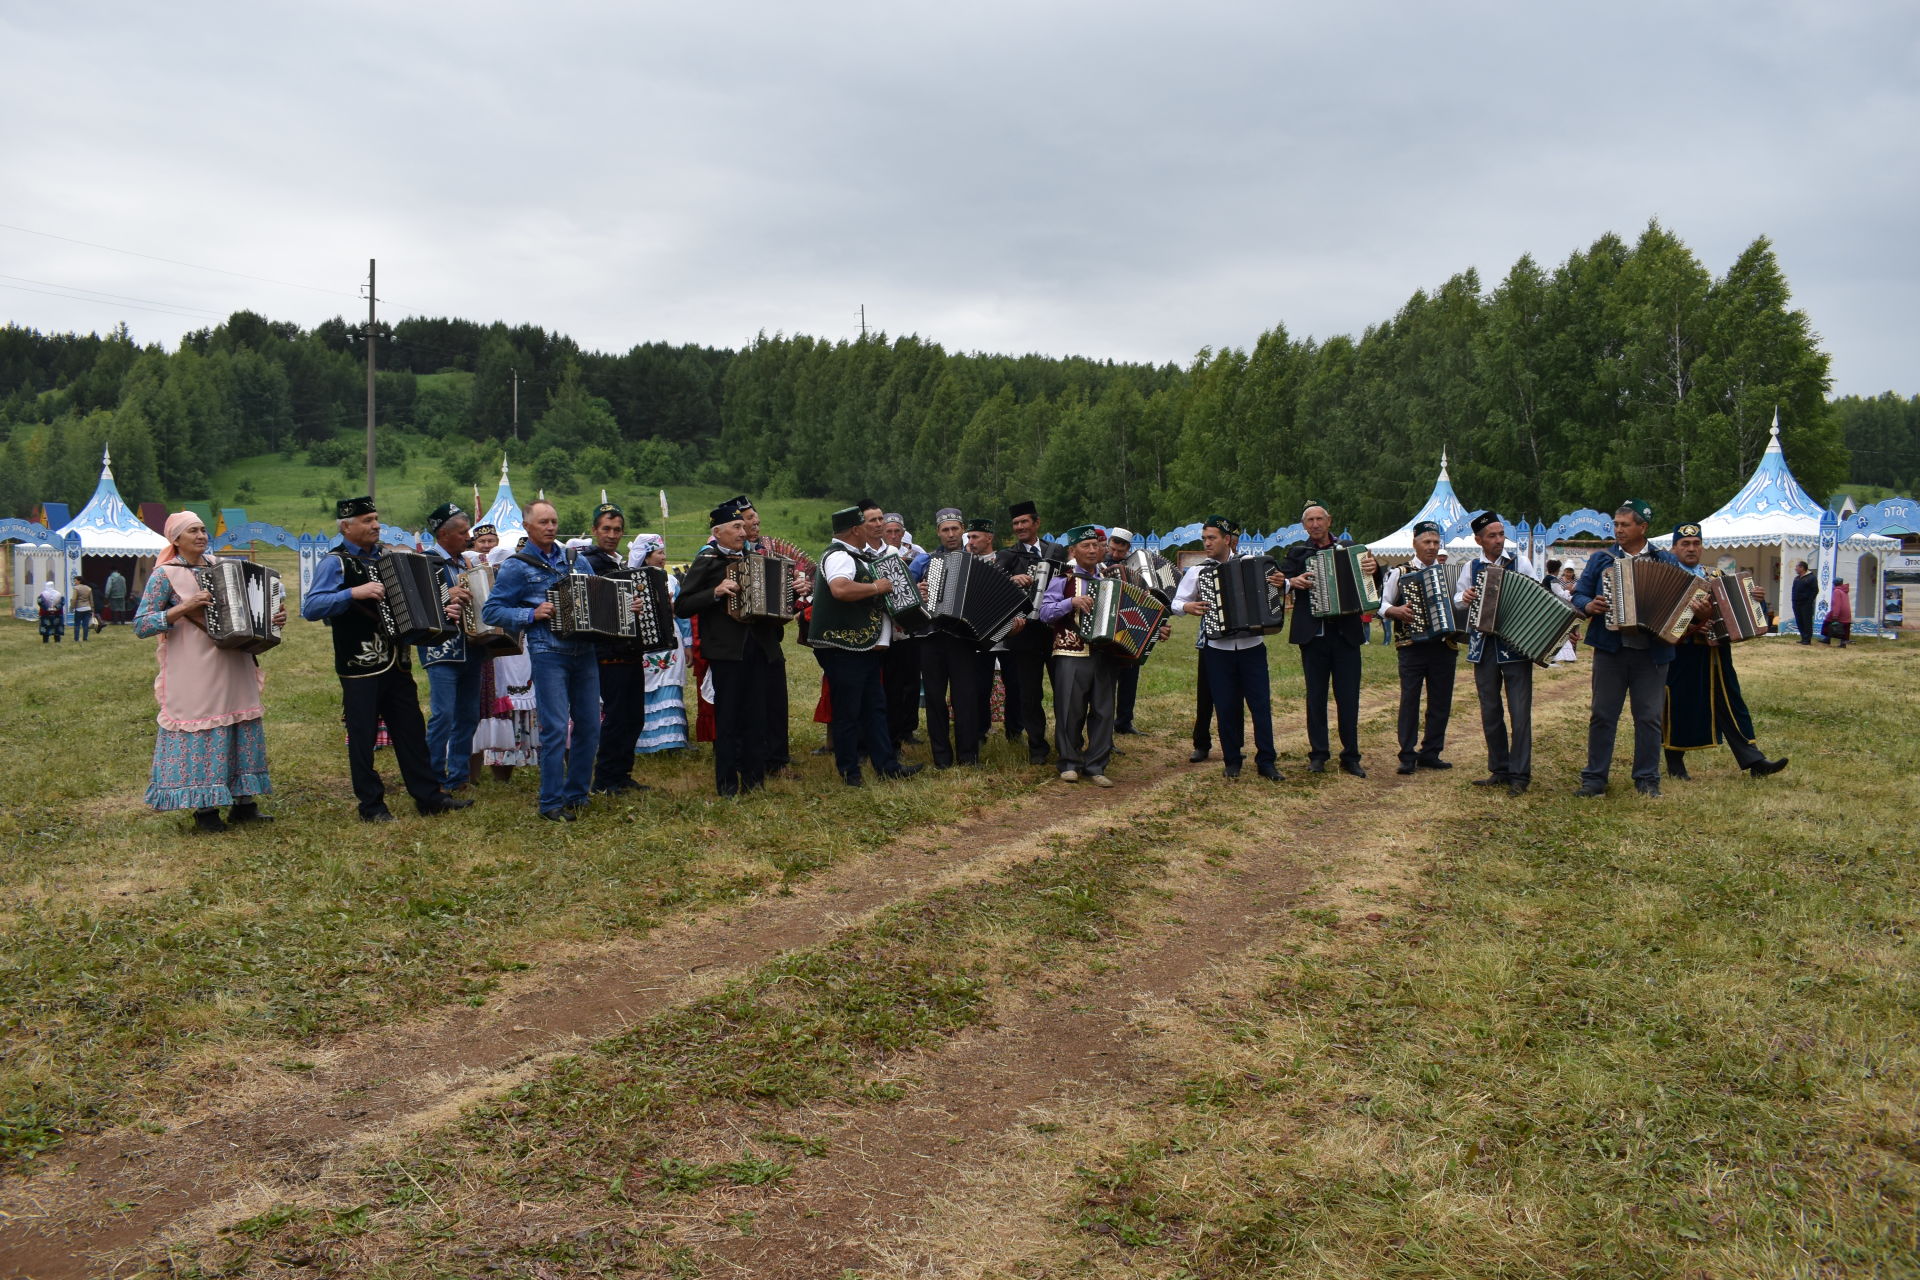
<point>1442,507</point>
<point>504,515</point>
<point>1772,523</point>
<point>106,527</point>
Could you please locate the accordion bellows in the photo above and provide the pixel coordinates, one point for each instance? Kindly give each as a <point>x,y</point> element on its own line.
<point>1524,615</point>
<point>243,599</point>
<point>766,588</point>
<point>1738,613</point>
<point>1651,596</point>
<point>1125,617</point>
<point>497,641</point>
<point>414,608</point>
<point>972,597</point>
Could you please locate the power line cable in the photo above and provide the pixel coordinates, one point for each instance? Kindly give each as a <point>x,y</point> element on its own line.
<point>77,298</point>
<point>118,297</point>
<point>194,266</point>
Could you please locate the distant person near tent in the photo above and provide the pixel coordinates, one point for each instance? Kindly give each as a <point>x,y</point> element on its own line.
<point>53,620</point>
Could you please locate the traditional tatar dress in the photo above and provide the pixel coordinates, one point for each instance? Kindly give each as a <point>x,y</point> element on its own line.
<point>665,726</point>
<point>212,748</point>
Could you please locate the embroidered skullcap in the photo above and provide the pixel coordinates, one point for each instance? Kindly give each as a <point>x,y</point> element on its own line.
<point>348,508</point>
<point>604,510</point>
<point>479,529</point>
<point>1484,519</point>
<point>438,518</point>
<point>1640,507</point>
<point>1117,534</point>
<point>980,525</point>
<point>941,516</point>
<point>846,518</point>
<point>1685,531</point>
<point>725,513</point>
<point>1229,527</point>
<point>1081,533</point>
<point>894,517</point>
<point>1425,527</point>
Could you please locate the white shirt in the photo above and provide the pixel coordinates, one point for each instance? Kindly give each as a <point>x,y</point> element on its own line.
<point>839,563</point>
<point>1520,562</point>
<point>1391,582</point>
<point>1190,589</point>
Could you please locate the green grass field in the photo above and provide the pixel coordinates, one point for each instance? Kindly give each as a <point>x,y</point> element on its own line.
<point>1493,1037</point>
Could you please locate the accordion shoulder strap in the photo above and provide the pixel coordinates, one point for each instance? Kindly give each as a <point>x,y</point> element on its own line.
<point>538,563</point>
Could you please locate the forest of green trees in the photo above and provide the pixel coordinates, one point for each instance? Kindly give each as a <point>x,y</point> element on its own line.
<point>1625,369</point>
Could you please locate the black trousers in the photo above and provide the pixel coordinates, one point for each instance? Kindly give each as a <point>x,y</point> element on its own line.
<point>1237,683</point>
<point>623,703</point>
<point>773,714</point>
<point>1202,706</point>
<point>900,676</point>
<point>989,662</point>
<point>859,711</point>
<point>743,739</point>
<point>392,697</point>
<point>1803,619</point>
<point>1330,660</point>
<point>1125,693</point>
<point>1027,677</point>
<point>1428,668</point>
<point>950,663</point>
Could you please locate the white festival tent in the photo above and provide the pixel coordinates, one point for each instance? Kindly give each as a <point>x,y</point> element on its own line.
<point>1773,523</point>
<point>504,515</point>
<point>1443,507</point>
<point>104,528</point>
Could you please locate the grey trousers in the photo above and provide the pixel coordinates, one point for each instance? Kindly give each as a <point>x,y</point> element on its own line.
<point>1083,696</point>
<point>1616,677</point>
<point>1509,754</point>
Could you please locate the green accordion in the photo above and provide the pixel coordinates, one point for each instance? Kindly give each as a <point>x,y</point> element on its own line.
<point>1340,585</point>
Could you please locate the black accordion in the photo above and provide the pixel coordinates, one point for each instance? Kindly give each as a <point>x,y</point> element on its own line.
<point>1429,593</point>
<point>653,628</point>
<point>497,641</point>
<point>589,606</point>
<point>1737,613</point>
<point>1238,597</point>
<point>414,609</point>
<point>766,588</point>
<point>1524,615</point>
<point>972,597</point>
<point>1653,596</point>
<point>1340,585</point>
<point>243,597</point>
<point>903,602</point>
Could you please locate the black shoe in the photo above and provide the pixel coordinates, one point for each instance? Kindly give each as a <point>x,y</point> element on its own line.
<point>208,820</point>
<point>1492,780</point>
<point>1435,763</point>
<point>1271,773</point>
<point>624,787</point>
<point>448,802</point>
<point>1316,766</point>
<point>1587,790</point>
<point>559,815</point>
<point>1126,729</point>
<point>1517,788</point>
<point>1036,757</point>
<point>969,762</point>
<point>245,813</point>
<point>1651,790</point>
<point>1766,768</point>
<point>904,771</point>
<point>914,738</point>
<point>1118,752</point>
<point>1233,771</point>
<point>1199,754</point>
<point>1679,773</point>
<point>381,814</point>
<point>853,780</point>
<point>1404,769</point>
<point>1353,768</point>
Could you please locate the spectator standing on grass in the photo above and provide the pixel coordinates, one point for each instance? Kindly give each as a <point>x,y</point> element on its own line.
<point>1806,591</point>
<point>116,610</point>
<point>53,621</point>
<point>1840,615</point>
<point>82,611</point>
<point>212,746</point>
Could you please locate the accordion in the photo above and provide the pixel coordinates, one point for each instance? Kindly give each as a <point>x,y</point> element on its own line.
<point>1156,572</point>
<point>903,602</point>
<point>1239,598</point>
<point>494,640</point>
<point>414,609</point>
<point>766,588</point>
<point>1651,596</point>
<point>1428,592</point>
<point>1737,613</point>
<point>1340,585</point>
<point>1124,617</point>
<point>589,606</point>
<point>243,599</point>
<point>1524,615</point>
<point>973,597</point>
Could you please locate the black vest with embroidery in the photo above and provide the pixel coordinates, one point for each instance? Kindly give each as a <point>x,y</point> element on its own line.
<point>360,647</point>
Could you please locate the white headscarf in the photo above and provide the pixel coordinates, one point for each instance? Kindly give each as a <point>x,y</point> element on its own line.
<point>644,545</point>
<point>49,594</point>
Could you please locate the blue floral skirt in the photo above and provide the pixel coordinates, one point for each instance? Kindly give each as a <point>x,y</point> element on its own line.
<point>209,768</point>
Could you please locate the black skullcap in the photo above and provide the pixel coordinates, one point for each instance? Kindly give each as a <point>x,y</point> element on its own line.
<point>1019,509</point>
<point>1229,527</point>
<point>981,525</point>
<point>438,518</point>
<point>1685,531</point>
<point>1484,519</point>
<point>348,508</point>
<point>1425,527</point>
<point>725,513</point>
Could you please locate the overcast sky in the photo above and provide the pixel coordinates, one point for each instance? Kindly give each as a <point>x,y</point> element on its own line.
<point>1110,179</point>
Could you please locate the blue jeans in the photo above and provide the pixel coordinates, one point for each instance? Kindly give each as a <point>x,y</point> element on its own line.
<point>453,715</point>
<point>566,686</point>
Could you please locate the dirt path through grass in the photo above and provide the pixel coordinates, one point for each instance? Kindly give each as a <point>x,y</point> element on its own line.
<point>294,1127</point>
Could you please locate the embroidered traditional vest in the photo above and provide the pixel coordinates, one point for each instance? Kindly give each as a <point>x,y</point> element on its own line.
<point>360,647</point>
<point>844,624</point>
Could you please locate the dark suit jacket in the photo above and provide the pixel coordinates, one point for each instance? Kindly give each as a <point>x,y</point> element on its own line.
<point>1016,559</point>
<point>721,638</point>
<point>1347,627</point>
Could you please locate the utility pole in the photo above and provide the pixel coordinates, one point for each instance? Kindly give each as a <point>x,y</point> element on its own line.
<point>370,304</point>
<point>863,322</point>
<point>516,402</point>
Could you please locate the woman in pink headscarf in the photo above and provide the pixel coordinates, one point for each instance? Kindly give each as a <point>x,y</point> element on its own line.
<point>212,748</point>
